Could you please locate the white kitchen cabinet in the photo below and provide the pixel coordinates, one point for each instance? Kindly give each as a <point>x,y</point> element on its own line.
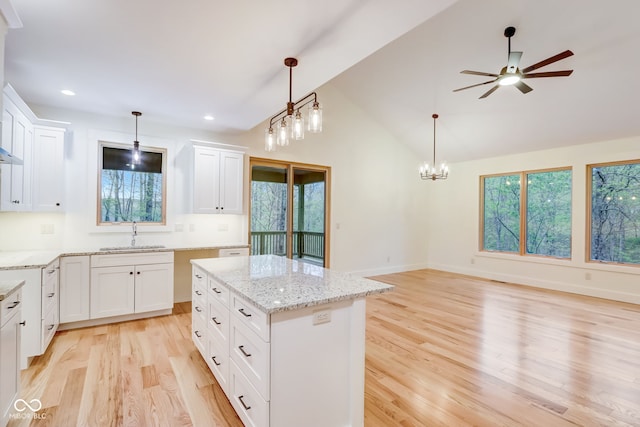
<point>40,308</point>
<point>130,283</point>
<point>10,318</point>
<point>48,170</point>
<point>74,288</point>
<point>217,180</point>
<point>17,138</point>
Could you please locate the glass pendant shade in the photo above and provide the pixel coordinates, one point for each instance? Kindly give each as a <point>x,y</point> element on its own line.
<point>269,140</point>
<point>297,128</point>
<point>283,133</point>
<point>135,154</point>
<point>315,118</point>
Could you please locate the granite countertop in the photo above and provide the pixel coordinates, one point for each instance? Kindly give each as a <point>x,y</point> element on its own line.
<point>273,283</point>
<point>17,260</point>
<point>7,287</point>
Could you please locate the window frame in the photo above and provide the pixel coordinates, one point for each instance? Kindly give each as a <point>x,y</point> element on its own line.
<point>522,243</point>
<point>588,211</point>
<point>143,149</point>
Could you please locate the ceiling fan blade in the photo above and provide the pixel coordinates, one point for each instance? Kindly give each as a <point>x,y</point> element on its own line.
<point>563,73</point>
<point>478,73</point>
<point>476,85</point>
<point>489,92</point>
<point>555,58</point>
<point>514,61</point>
<point>524,88</point>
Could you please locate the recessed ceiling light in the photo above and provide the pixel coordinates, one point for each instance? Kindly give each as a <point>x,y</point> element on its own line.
<point>67,92</point>
<point>208,117</point>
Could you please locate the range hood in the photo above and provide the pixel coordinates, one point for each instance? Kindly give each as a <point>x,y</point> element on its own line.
<point>8,158</point>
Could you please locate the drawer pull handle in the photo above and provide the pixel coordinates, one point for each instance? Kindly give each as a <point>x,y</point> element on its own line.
<point>51,295</point>
<point>51,327</point>
<point>243,404</point>
<point>198,293</point>
<point>234,253</point>
<point>23,323</point>
<point>241,310</point>
<point>15,304</point>
<point>216,290</point>
<point>215,320</point>
<point>198,309</point>
<point>51,271</point>
<point>215,361</point>
<point>198,276</point>
<point>198,334</point>
<point>241,348</point>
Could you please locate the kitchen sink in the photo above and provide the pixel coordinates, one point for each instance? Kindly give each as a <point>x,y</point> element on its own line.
<point>132,248</point>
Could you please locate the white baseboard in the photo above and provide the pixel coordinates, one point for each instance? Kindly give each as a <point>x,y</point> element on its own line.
<point>388,270</point>
<point>115,319</point>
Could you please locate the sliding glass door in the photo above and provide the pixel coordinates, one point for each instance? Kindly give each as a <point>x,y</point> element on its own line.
<point>290,210</point>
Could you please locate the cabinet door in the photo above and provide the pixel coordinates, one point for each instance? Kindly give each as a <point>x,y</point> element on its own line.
<point>206,179</point>
<point>18,140</point>
<point>9,365</point>
<point>48,159</point>
<point>154,287</point>
<point>74,288</point>
<point>112,291</point>
<point>231,182</point>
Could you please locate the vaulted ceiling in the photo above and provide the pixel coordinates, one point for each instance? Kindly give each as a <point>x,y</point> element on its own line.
<point>399,61</point>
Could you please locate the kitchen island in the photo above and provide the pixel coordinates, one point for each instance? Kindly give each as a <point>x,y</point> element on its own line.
<point>284,339</point>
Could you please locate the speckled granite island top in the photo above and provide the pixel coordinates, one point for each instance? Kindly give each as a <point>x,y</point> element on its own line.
<point>7,287</point>
<point>273,283</point>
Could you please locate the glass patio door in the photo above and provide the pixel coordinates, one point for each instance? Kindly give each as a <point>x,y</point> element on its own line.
<point>289,210</point>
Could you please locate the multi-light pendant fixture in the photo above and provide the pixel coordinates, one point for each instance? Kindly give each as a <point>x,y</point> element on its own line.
<point>289,123</point>
<point>135,154</point>
<point>429,171</point>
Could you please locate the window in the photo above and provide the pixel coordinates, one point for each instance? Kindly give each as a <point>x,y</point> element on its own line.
<point>528,213</point>
<point>131,192</point>
<point>614,212</point>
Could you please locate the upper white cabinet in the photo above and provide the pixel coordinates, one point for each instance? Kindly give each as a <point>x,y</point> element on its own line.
<point>38,183</point>
<point>48,169</point>
<point>217,180</point>
<point>17,138</point>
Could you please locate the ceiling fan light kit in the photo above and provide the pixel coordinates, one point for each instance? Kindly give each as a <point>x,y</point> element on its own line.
<point>512,75</point>
<point>289,123</point>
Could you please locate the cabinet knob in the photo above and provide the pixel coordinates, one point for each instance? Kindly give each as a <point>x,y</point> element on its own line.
<point>137,272</point>
<point>131,273</point>
<point>58,204</point>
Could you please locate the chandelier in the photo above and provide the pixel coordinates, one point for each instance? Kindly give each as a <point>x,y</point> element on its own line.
<point>430,172</point>
<point>135,154</point>
<point>289,123</point>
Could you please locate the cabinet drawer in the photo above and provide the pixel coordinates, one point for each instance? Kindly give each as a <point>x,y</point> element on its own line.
<point>49,295</point>
<point>218,318</point>
<point>233,252</point>
<point>219,291</point>
<point>251,316</point>
<point>10,306</point>
<point>198,278</point>
<point>199,334</point>
<point>252,355</point>
<point>135,258</point>
<point>218,361</point>
<point>50,273</point>
<point>49,328</point>
<point>250,406</point>
<point>199,307</point>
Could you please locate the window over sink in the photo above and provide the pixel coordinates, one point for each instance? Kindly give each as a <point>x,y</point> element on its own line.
<point>131,192</point>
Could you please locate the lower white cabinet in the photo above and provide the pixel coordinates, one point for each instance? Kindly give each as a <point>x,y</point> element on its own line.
<point>10,318</point>
<point>74,288</point>
<point>130,283</point>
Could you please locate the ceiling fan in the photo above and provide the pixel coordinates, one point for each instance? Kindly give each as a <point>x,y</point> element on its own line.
<point>511,75</point>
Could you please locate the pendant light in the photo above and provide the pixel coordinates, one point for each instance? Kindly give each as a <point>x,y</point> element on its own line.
<point>289,123</point>
<point>135,154</point>
<point>430,172</point>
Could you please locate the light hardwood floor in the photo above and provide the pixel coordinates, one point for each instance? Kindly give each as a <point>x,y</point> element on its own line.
<point>442,350</point>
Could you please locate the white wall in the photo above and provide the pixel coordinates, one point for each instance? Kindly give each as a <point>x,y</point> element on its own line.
<point>75,228</point>
<point>454,226</point>
<point>377,205</point>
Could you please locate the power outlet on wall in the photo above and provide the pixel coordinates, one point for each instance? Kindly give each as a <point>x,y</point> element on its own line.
<point>321,316</point>
<point>46,229</point>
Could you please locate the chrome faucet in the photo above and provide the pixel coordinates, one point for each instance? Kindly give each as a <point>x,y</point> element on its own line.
<point>134,233</point>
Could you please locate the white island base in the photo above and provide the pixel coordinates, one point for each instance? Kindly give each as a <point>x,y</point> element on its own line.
<point>285,342</point>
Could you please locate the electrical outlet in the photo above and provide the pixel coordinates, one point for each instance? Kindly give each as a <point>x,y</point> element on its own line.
<point>321,316</point>
<point>587,276</point>
<point>46,229</point>
<point>179,227</point>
